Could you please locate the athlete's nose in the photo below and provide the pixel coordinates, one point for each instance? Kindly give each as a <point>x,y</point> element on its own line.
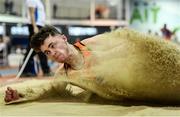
<point>54,54</point>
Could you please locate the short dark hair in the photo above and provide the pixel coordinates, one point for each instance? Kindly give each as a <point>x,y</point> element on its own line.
<point>38,39</point>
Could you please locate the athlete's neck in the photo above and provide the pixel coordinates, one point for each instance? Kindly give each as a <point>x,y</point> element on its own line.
<point>75,59</point>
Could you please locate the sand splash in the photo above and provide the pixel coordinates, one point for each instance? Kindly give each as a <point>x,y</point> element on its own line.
<point>129,65</point>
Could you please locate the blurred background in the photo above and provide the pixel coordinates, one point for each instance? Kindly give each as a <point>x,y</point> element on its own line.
<point>80,19</point>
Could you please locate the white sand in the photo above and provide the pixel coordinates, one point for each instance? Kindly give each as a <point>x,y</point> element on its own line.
<point>60,108</point>
<point>83,109</point>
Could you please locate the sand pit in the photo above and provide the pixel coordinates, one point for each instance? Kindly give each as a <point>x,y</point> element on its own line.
<point>61,107</point>
<point>82,109</point>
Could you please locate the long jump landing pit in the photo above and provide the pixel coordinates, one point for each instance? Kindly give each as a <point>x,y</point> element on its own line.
<point>60,107</point>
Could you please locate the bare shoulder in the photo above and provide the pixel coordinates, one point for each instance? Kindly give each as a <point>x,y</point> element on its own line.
<point>60,71</point>
<point>92,40</point>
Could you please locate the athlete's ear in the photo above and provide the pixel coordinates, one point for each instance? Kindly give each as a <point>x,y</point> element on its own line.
<point>64,37</point>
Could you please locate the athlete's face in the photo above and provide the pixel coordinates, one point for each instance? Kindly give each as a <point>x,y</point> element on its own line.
<point>56,48</point>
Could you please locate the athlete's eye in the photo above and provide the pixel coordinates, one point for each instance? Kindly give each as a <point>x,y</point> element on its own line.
<point>52,46</point>
<point>47,53</point>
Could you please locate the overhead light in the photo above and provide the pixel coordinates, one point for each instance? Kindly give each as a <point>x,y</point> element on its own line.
<point>113,2</point>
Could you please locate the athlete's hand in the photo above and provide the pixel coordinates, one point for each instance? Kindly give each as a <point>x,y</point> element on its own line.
<point>11,95</point>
